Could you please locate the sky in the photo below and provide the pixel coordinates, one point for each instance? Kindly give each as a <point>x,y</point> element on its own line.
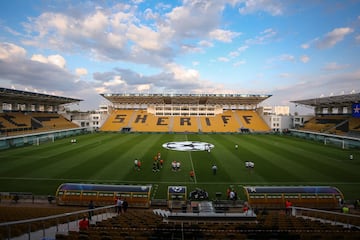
<point>292,50</point>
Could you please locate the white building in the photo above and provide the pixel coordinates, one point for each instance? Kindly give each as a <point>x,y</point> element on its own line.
<point>278,117</point>
<point>91,120</point>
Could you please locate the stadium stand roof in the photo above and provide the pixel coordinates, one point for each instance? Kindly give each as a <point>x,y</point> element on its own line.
<point>18,96</point>
<point>199,99</point>
<point>332,101</point>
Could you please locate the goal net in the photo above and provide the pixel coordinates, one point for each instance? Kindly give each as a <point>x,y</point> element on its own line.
<point>44,139</point>
<point>336,142</point>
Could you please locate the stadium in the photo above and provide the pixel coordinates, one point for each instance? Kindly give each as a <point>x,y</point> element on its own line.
<point>65,159</point>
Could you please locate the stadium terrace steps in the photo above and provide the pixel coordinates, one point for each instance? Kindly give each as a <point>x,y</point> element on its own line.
<point>335,124</point>
<point>252,120</point>
<point>164,224</point>
<point>117,120</point>
<point>14,123</point>
<point>141,121</point>
<point>16,120</point>
<point>185,124</point>
<point>135,224</point>
<point>51,121</point>
<point>146,122</point>
<point>354,124</point>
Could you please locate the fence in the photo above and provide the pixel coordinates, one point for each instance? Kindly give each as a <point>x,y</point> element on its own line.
<point>336,140</point>
<point>37,138</point>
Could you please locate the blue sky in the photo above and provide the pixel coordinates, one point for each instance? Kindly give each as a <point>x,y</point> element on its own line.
<point>292,50</point>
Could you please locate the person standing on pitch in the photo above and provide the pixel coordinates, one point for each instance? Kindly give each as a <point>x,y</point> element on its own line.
<point>214,169</point>
<point>192,175</point>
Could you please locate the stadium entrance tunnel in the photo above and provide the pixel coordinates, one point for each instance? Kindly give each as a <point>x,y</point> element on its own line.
<point>188,146</point>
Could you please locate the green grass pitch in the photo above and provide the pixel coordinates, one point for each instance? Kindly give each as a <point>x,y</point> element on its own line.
<point>109,157</point>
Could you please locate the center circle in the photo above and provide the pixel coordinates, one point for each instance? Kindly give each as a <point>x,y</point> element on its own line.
<point>188,146</point>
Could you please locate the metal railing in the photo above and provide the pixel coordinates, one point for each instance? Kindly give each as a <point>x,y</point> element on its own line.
<point>47,227</point>
<point>346,220</point>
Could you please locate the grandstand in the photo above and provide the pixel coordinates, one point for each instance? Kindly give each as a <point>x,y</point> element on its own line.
<point>186,113</point>
<point>333,115</point>
<point>23,112</point>
<point>160,224</point>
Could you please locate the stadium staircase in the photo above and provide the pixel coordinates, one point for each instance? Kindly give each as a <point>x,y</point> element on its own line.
<point>199,124</point>
<point>238,120</point>
<point>132,119</point>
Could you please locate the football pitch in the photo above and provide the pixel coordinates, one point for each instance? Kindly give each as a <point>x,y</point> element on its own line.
<point>109,158</point>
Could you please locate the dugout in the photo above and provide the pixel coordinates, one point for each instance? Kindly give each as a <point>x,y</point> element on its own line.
<point>81,194</point>
<point>322,197</point>
<point>176,196</point>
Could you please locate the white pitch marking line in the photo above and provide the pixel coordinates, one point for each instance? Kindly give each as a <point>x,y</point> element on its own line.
<point>192,164</point>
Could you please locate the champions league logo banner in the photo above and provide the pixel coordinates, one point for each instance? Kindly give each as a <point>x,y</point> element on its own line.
<point>188,146</point>
<point>356,110</point>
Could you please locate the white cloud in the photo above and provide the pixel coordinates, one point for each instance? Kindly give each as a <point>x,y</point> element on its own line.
<point>97,31</point>
<point>183,74</point>
<point>81,71</point>
<point>273,7</point>
<point>305,46</point>
<point>114,82</point>
<point>39,58</point>
<point>223,35</point>
<point>39,72</point>
<point>234,54</point>
<point>95,24</point>
<point>284,75</point>
<point>56,60</point>
<point>204,43</point>
<point>150,15</point>
<point>145,37</point>
<point>195,18</point>
<point>242,48</point>
<point>333,37</point>
<point>223,59</point>
<point>333,66</point>
<point>262,37</point>
<point>143,87</point>
<point>137,1</point>
<point>305,58</point>
<point>9,51</point>
<point>287,57</point>
<point>238,63</point>
<point>191,49</point>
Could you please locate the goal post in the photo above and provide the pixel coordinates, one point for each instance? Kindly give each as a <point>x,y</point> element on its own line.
<point>44,139</point>
<point>335,142</point>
